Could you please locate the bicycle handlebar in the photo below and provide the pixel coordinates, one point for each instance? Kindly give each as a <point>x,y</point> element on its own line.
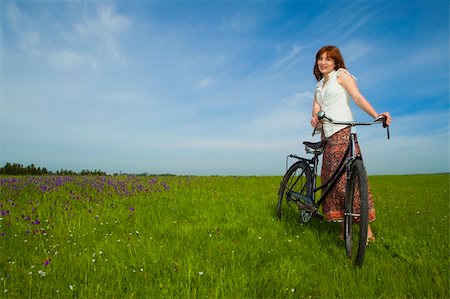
<point>380,119</point>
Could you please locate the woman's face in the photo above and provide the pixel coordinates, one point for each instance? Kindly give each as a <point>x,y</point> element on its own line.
<point>325,64</point>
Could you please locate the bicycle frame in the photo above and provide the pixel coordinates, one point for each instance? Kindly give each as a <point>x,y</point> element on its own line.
<point>344,165</point>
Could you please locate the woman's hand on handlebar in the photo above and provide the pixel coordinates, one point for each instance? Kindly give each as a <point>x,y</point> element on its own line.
<point>387,117</point>
<point>315,123</point>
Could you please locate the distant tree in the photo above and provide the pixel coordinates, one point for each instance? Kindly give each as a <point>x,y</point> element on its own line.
<point>14,169</point>
<point>19,169</point>
<point>95,172</point>
<point>65,172</point>
<point>6,169</point>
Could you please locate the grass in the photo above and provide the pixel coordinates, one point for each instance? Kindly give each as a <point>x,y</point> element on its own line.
<point>212,237</point>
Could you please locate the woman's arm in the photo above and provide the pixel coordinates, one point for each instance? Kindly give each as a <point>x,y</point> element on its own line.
<point>315,109</point>
<point>349,84</point>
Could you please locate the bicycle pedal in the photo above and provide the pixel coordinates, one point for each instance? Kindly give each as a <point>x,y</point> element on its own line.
<point>306,207</point>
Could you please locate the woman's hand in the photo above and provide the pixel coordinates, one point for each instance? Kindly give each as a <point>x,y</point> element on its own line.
<point>315,122</point>
<point>387,115</point>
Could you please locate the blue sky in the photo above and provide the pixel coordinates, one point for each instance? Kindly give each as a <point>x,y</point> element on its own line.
<point>220,87</point>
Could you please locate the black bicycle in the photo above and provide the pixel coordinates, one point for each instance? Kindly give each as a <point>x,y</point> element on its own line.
<point>299,187</point>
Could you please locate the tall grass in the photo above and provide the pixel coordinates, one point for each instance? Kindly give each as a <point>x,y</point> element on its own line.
<point>190,237</point>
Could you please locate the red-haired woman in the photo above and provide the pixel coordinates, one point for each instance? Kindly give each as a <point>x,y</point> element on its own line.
<point>334,88</point>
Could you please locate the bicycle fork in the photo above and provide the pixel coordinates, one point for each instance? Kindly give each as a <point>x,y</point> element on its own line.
<point>351,158</point>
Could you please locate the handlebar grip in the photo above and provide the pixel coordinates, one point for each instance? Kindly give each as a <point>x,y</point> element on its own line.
<point>385,125</point>
<point>314,131</point>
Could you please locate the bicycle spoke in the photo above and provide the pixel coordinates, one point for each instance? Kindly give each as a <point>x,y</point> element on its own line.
<point>296,183</point>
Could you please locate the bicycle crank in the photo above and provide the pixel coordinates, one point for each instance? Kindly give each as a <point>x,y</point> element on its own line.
<point>306,207</point>
<point>303,202</point>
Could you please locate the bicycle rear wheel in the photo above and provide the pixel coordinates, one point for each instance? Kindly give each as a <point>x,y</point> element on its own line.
<point>296,186</point>
<point>356,219</point>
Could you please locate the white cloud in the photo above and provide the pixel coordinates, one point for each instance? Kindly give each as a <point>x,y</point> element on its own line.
<point>274,129</point>
<point>110,20</point>
<point>240,22</point>
<point>407,154</point>
<point>285,118</point>
<point>355,49</point>
<point>288,59</point>
<point>99,32</point>
<point>419,144</point>
<point>205,82</point>
<point>67,58</point>
<point>92,41</point>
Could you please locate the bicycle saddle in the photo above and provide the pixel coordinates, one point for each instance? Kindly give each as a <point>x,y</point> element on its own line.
<point>315,145</point>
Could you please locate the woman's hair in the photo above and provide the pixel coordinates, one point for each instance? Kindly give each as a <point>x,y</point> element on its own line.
<point>332,52</point>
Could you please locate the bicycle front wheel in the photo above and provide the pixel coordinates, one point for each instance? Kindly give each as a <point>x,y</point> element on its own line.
<point>296,184</point>
<point>356,219</point>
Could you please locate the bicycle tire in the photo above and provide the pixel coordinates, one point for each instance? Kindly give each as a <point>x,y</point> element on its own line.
<point>298,179</point>
<point>356,218</point>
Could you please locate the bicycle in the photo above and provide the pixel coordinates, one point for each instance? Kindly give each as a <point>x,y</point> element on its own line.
<point>299,187</point>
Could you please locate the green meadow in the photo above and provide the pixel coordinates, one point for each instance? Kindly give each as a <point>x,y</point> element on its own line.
<point>212,237</point>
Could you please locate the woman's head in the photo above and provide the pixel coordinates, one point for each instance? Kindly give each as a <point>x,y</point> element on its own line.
<point>331,52</point>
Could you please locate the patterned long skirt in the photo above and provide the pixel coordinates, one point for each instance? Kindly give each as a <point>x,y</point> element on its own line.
<point>333,207</point>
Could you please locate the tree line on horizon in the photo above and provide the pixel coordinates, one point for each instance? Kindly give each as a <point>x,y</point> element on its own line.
<point>19,169</point>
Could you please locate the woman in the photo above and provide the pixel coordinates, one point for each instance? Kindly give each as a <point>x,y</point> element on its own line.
<point>334,88</point>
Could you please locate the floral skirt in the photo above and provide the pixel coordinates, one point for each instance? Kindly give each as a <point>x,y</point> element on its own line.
<point>333,206</point>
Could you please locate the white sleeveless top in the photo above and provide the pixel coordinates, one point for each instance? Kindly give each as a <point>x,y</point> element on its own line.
<point>334,100</point>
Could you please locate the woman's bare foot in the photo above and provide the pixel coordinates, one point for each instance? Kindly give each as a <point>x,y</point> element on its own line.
<point>370,236</point>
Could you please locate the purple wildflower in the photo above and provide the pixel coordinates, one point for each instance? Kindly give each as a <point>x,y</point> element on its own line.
<point>165,185</point>
<point>47,262</point>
